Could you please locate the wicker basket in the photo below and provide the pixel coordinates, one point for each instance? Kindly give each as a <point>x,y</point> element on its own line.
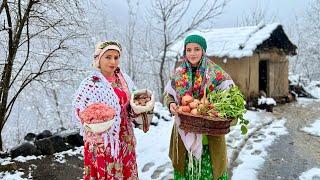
<point>213,126</point>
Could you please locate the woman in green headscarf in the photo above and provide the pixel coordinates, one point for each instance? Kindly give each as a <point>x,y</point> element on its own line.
<point>196,156</point>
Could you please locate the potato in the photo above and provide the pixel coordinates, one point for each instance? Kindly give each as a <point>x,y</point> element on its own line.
<point>194,112</point>
<point>200,106</point>
<point>142,101</point>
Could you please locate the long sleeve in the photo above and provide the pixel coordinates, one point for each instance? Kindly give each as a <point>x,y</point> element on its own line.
<point>167,99</point>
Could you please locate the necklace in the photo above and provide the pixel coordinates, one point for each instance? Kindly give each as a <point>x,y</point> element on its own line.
<point>115,81</point>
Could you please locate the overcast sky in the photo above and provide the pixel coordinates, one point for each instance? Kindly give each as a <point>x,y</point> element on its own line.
<point>284,10</point>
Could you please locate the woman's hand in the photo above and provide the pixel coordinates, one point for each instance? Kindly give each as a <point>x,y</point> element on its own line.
<point>173,108</point>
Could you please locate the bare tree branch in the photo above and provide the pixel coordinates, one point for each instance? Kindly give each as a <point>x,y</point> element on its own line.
<point>34,26</point>
<point>172,24</point>
<point>25,83</point>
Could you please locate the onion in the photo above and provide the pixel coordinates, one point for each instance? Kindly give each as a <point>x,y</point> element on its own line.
<point>186,108</point>
<point>196,101</point>
<point>193,105</point>
<point>204,101</point>
<point>186,100</point>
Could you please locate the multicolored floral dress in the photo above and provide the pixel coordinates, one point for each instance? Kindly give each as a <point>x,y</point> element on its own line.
<point>98,162</point>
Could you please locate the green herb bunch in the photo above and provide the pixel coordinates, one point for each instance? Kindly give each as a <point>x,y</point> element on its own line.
<point>230,104</point>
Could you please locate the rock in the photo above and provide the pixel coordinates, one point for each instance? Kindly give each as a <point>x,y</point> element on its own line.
<point>159,170</point>
<point>166,118</point>
<point>51,145</point>
<point>269,108</point>
<point>249,147</point>
<point>168,177</point>
<point>272,133</point>
<point>58,144</point>
<point>30,137</point>
<point>300,91</point>
<point>257,140</point>
<point>157,115</point>
<point>25,149</point>
<point>74,140</point>
<point>44,146</point>
<point>147,166</point>
<point>62,129</point>
<point>44,134</point>
<point>4,155</point>
<point>154,123</point>
<point>256,152</point>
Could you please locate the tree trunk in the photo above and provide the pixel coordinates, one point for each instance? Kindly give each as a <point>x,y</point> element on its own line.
<point>1,140</point>
<point>161,75</point>
<point>5,90</point>
<point>55,97</point>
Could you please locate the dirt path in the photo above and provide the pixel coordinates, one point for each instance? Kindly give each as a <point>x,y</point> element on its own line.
<point>47,168</point>
<point>297,151</point>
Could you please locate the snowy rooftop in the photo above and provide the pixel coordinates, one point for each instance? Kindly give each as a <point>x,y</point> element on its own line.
<point>234,42</point>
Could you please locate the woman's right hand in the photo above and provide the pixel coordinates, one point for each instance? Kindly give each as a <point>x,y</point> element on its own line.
<point>173,108</point>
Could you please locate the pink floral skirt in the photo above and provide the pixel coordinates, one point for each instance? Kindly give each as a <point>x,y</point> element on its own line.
<point>99,164</point>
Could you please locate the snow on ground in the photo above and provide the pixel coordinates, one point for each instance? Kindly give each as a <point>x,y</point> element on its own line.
<point>11,176</point>
<point>313,129</point>
<point>306,101</point>
<point>27,158</point>
<point>19,158</point>
<point>251,158</point>
<point>5,161</point>
<point>60,157</point>
<point>314,89</point>
<point>313,174</point>
<point>268,101</point>
<point>153,146</point>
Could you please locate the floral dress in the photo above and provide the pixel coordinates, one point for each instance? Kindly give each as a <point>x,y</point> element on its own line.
<point>98,162</point>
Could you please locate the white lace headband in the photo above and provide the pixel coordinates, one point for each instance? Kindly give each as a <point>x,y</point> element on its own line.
<point>100,50</point>
<point>109,47</point>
